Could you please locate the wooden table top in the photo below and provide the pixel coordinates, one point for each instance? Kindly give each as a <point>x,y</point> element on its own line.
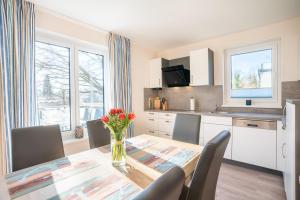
<point>90,174</point>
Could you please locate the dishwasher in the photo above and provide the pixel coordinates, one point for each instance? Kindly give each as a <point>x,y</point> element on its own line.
<point>254,142</point>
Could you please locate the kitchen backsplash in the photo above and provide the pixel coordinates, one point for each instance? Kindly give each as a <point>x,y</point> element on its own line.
<point>207,97</point>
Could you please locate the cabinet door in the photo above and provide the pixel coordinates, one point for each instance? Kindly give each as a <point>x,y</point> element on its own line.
<point>281,146</point>
<point>254,146</point>
<point>199,67</point>
<point>211,130</point>
<point>155,75</point>
<point>290,171</point>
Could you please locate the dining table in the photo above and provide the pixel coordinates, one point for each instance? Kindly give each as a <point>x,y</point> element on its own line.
<point>91,175</point>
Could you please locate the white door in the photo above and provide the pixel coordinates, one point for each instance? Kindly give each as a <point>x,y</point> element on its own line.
<point>212,130</point>
<point>254,146</point>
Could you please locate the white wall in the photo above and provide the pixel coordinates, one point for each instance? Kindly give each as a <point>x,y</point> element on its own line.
<point>140,58</point>
<point>288,31</point>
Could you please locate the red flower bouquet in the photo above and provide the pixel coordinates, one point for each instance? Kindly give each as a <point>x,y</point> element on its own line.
<point>117,121</point>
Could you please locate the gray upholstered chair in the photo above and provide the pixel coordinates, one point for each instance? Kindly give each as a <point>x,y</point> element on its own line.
<point>36,145</point>
<point>98,135</point>
<point>205,177</point>
<point>186,128</point>
<point>166,187</point>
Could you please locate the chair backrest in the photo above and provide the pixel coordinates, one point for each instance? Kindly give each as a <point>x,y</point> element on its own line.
<point>98,135</point>
<point>186,128</point>
<point>205,177</point>
<point>36,145</point>
<point>166,187</point>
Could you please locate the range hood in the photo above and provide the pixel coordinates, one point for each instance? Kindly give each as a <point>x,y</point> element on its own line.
<point>176,76</point>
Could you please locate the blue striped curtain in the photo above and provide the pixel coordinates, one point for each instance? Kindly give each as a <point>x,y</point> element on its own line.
<point>17,91</point>
<point>120,63</point>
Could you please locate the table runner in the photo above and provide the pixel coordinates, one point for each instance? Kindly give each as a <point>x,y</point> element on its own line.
<point>104,184</point>
<point>157,154</point>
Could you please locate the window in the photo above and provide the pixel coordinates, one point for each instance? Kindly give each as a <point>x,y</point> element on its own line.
<point>91,86</point>
<point>251,73</point>
<point>53,85</point>
<point>69,82</point>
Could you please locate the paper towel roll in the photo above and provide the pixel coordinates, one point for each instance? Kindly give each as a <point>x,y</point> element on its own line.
<point>192,103</point>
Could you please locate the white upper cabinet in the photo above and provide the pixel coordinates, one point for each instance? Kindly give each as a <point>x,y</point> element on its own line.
<point>201,67</point>
<point>154,78</point>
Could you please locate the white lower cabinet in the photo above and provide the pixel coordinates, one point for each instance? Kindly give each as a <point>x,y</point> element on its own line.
<point>212,130</point>
<point>160,124</point>
<point>254,146</point>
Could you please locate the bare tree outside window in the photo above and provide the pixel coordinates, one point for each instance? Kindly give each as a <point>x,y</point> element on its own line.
<point>91,89</point>
<point>53,83</point>
<point>52,66</point>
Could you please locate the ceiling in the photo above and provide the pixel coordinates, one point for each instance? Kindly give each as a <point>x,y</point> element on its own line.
<point>163,24</point>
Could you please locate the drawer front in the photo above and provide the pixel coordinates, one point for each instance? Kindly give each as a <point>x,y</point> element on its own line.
<point>166,125</point>
<point>151,114</point>
<point>170,116</point>
<point>152,124</point>
<point>254,146</point>
<point>151,132</point>
<point>217,120</point>
<point>164,135</point>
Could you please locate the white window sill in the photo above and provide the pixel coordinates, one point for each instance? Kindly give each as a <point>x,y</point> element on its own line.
<point>70,138</point>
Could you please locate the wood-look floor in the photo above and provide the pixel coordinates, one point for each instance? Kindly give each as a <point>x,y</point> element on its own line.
<point>238,183</point>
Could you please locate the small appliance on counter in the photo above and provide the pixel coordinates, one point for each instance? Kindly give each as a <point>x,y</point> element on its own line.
<point>164,103</point>
<point>192,103</point>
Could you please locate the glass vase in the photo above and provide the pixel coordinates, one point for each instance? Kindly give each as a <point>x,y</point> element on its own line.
<point>118,151</point>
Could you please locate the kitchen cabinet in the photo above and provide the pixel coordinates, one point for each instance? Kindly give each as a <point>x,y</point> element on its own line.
<point>291,180</point>
<point>212,126</point>
<point>160,124</point>
<point>154,78</point>
<point>212,130</point>
<point>201,67</point>
<point>281,146</point>
<point>254,145</point>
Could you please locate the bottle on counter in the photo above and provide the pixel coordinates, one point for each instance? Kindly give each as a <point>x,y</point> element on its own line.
<point>192,103</point>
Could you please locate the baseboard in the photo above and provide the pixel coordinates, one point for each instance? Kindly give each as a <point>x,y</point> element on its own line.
<point>254,167</point>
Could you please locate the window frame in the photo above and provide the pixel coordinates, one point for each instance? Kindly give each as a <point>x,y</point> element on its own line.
<point>275,101</point>
<point>76,45</point>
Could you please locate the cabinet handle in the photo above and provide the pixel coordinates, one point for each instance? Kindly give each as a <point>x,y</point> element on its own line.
<point>151,131</point>
<point>252,125</point>
<point>159,82</point>
<point>282,152</point>
<point>167,121</point>
<point>151,119</point>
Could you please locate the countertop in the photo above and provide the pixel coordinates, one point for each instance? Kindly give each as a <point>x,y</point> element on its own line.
<point>260,116</point>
